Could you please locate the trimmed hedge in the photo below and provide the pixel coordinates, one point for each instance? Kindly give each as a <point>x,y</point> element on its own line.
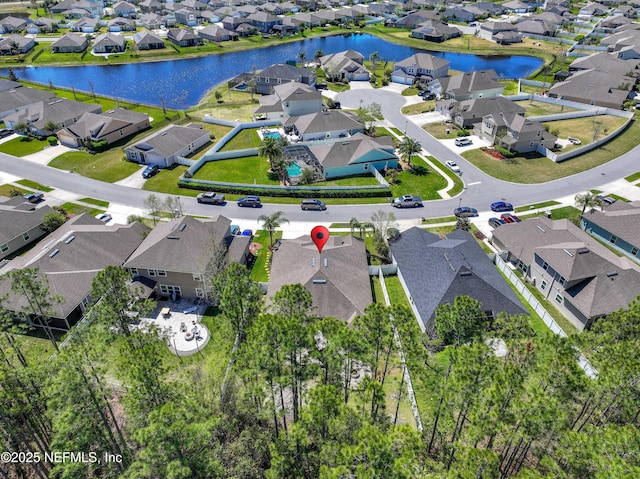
<point>286,192</point>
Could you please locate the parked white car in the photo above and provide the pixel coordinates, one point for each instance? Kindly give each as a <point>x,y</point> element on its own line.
<point>453,166</point>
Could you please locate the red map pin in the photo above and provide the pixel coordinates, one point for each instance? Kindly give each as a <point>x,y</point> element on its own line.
<point>319,235</point>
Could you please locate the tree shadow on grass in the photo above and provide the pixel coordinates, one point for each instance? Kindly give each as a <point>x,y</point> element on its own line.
<point>419,170</point>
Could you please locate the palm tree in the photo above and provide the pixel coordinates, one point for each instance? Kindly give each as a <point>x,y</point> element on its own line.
<point>271,222</point>
<point>374,58</point>
<point>302,55</point>
<point>407,148</point>
<point>354,224</point>
<point>319,54</point>
<point>51,126</point>
<point>586,200</point>
<point>271,149</point>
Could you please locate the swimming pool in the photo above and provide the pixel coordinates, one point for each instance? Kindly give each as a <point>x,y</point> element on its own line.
<point>294,170</point>
<point>271,134</point>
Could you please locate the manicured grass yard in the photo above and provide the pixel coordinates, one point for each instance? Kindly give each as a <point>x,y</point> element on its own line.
<point>351,181</point>
<point>419,107</point>
<point>23,146</point>
<point>34,185</point>
<point>74,209</point>
<point>108,166</point>
<point>535,206</point>
<point>538,108</point>
<point>5,190</point>
<point>260,270</point>
<point>538,170</point>
<point>439,130</point>
<point>244,139</point>
<point>167,182</point>
<point>585,129</point>
<point>93,201</point>
<point>238,170</point>
<point>633,178</point>
<point>420,180</point>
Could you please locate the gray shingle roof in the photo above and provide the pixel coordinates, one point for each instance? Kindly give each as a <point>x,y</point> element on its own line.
<point>359,148</point>
<point>437,270</point>
<point>620,219</point>
<point>479,80</point>
<point>99,125</point>
<point>169,141</point>
<point>341,289</point>
<point>182,245</point>
<point>71,270</point>
<point>15,220</point>
<point>423,61</point>
<point>332,120</point>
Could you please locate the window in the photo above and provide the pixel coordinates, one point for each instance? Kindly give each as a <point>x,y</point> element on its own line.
<point>545,266</point>
<point>133,271</point>
<point>634,251</point>
<point>84,303</point>
<point>279,81</point>
<point>200,292</point>
<point>197,277</point>
<point>266,80</point>
<point>4,247</point>
<point>25,236</point>
<point>157,272</point>
<point>558,299</point>
<point>613,239</point>
<point>562,281</point>
<point>168,289</point>
<point>152,272</point>
<point>543,285</point>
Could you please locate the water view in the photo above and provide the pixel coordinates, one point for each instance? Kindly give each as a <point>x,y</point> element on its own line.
<point>181,84</point>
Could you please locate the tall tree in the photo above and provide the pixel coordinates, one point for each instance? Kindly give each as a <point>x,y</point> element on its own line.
<point>460,322</point>
<point>272,222</point>
<point>40,304</point>
<point>586,200</point>
<point>153,204</point>
<point>408,148</point>
<point>271,149</point>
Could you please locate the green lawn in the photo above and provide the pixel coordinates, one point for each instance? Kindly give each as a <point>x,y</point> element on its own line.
<point>421,107</point>
<point>247,138</point>
<point>585,129</point>
<point>74,209</point>
<point>410,91</point>
<point>249,170</point>
<point>633,178</point>
<point>433,221</point>
<point>6,189</point>
<point>439,130</point>
<point>93,201</point>
<point>419,180</point>
<point>566,212</point>
<point>167,182</point>
<point>23,146</point>
<point>539,108</point>
<point>260,270</point>
<point>351,181</point>
<point>34,185</point>
<point>535,206</point>
<point>540,169</point>
<point>108,166</point>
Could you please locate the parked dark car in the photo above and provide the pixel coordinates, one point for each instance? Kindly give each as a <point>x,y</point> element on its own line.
<point>509,218</point>
<point>150,170</point>
<point>501,206</point>
<point>211,198</point>
<point>4,133</point>
<point>34,197</point>
<point>495,222</point>
<point>250,201</point>
<point>465,212</point>
<point>605,200</point>
<point>310,204</point>
<point>429,96</point>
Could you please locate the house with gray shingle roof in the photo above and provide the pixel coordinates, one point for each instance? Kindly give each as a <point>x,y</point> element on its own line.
<point>16,45</point>
<point>110,126</point>
<point>356,155</point>
<point>214,33</point>
<point>15,97</point>
<point>325,125</point>
<point>289,99</point>
<point>147,40</point>
<point>582,278</point>
<point>468,113</point>
<point>20,224</point>
<point>69,259</point>
<point>499,32</point>
<point>59,111</point>
<point>618,226</point>
<point>282,73</point>
<point>124,9</point>
<point>184,37</point>
<point>346,65</point>
<point>467,86</point>
<point>435,270</point>
<point>120,24</point>
<point>514,132</point>
<point>109,43</point>
<point>11,24</point>
<point>435,31</point>
<point>595,88</point>
<point>177,254</point>
<point>86,25</point>
<point>419,67</point>
<point>264,21</point>
<point>163,147</point>
<point>70,43</point>
<point>338,279</point>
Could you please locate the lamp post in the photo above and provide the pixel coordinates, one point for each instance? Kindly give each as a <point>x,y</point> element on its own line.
<point>406,123</point>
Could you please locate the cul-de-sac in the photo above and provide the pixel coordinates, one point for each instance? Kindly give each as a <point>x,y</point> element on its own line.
<point>333,239</point>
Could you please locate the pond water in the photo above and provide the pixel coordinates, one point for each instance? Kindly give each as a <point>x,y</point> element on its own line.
<point>182,83</point>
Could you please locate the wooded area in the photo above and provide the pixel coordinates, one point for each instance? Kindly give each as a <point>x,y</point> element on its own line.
<point>304,397</point>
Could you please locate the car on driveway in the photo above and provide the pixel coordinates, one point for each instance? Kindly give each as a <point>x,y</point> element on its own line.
<point>211,198</point>
<point>605,200</point>
<point>250,201</point>
<point>453,166</point>
<point>5,132</point>
<point>150,170</point>
<point>465,212</point>
<point>104,217</point>
<point>509,218</point>
<point>464,141</point>
<point>34,197</point>
<point>501,206</point>
<point>496,222</point>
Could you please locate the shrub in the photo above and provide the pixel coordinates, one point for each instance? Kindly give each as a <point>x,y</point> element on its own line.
<point>463,132</point>
<point>52,140</point>
<point>99,146</point>
<point>504,152</point>
<point>14,192</point>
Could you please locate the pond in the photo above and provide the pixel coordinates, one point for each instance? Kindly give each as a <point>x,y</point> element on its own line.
<point>181,84</point>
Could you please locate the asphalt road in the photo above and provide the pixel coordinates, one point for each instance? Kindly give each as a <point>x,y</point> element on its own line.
<point>481,189</point>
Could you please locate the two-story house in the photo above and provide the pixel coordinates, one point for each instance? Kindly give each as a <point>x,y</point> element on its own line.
<point>282,73</point>
<point>514,132</point>
<point>289,99</point>
<point>177,254</point>
<point>468,85</point>
<point>421,68</point>
<point>20,224</point>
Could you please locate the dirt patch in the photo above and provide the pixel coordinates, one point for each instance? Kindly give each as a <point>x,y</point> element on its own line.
<point>254,248</point>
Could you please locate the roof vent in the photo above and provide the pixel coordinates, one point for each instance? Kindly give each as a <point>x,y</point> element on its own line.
<point>56,251</point>
<point>569,253</point>
<point>319,281</point>
<point>612,274</point>
<point>182,227</point>
<point>541,228</point>
<point>326,262</point>
<point>465,273</point>
<point>69,239</point>
<point>582,250</point>
<point>174,227</point>
<point>313,262</point>
<point>173,237</point>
